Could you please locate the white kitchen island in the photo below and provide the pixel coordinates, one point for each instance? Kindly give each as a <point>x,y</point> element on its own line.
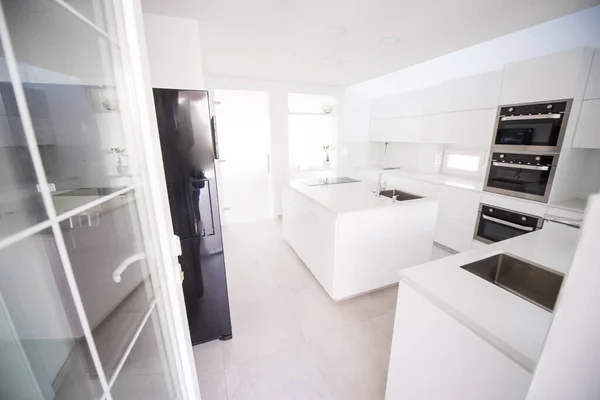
<point>353,241</point>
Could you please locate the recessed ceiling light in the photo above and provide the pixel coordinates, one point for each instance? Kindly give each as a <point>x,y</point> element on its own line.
<point>335,31</point>
<point>389,41</point>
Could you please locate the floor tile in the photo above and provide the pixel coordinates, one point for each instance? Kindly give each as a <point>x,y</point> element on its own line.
<point>354,361</point>
<point>288,374</point>
<point>208,357</point>
<point>212,386</point>
<point>318,314</point>
<point>385,322</point>
<point>259,328</point>
<point>378,302</point>
<point>250,284</point>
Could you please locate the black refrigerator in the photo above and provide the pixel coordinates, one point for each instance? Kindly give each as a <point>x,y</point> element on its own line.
<point>189,150</point>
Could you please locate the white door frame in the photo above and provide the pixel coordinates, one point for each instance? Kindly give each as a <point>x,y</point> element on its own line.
<point>157,201</point>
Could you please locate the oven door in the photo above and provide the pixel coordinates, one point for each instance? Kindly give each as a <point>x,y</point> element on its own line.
<point>495,224</point>
<point>539,133</point>
<point>521,179</point>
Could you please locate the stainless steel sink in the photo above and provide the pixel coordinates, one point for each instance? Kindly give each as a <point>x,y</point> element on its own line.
<point>532,282</point>
<point>400,196</point>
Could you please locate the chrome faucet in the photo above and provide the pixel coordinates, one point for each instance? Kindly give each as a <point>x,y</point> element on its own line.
<point>380,184</point>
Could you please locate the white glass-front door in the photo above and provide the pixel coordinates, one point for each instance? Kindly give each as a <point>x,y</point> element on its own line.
<point>244,135</point>
<point>84,310</point>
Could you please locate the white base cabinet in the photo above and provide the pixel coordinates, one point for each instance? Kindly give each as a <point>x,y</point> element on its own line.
<point>359,251</point>
<point>435,357</point>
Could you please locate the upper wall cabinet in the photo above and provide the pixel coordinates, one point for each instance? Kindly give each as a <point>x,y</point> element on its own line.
<point>592,90</point>
<point>408,104</point>
<point>406,130</point>
<point>552,77</point>
<point>587,130</point>
<point>470,93</point>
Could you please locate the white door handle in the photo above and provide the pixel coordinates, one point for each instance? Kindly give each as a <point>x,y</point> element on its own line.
<point>126,263</point>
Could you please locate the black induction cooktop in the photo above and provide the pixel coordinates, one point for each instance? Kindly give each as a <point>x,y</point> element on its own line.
<point>329,181</point>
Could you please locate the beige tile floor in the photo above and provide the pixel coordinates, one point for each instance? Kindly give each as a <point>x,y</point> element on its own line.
<point>290,340</point>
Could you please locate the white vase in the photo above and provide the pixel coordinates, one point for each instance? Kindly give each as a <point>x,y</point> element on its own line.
<point>326,164</point>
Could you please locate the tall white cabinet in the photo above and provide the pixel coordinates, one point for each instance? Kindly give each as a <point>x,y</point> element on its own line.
<point>587,131</point>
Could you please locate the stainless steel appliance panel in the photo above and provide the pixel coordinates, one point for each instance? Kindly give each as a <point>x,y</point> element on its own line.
<point>532,127</point>
<point>495,224</point>
<point>523,175</point>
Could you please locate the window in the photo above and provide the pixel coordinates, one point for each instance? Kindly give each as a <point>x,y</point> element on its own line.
<point>312,130</point>
<point>462,162</point>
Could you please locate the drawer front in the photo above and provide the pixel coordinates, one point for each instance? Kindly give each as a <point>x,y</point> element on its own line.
<point>454,234</point>
<point>459,204</point>
<point>511,203</point>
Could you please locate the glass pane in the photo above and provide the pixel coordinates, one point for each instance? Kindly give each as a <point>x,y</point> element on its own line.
<point>98,241</point>
<point>145,374</point>
<point>463,162</point>
<point>20,203</point>
<point>43,352</point>
<point>100,12</point>
<point>68,71</point>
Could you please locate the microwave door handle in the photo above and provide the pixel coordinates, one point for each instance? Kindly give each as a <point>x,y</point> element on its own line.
<point>507,223</point>
<point>526,117</point>
<point>521,166</point>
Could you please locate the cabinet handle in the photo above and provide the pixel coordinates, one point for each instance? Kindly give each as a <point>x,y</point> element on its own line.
<point>507,223</point>
<point>126,263</point>
<point>521,166</point>
<point>525,117</point>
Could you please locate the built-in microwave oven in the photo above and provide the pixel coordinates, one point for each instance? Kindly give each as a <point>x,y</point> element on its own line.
<point>523,175</point>
<point>495,224</point>
<point>532,127</point>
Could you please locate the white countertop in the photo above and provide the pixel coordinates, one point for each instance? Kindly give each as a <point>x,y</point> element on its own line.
<point>515,326</point>
<point>449,180</point>
<point>349,197</point>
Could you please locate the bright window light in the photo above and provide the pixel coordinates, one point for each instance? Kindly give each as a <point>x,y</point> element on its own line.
<point>463,162</point>
<point>311,103</point>
<point>311,127</point>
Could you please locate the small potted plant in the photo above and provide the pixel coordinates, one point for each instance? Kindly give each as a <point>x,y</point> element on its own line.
<point>327,162</point>
<point>122,167</point>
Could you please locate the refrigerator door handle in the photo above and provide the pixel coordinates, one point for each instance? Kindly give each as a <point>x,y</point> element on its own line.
<point>208,188</point>
<point>215,140</point>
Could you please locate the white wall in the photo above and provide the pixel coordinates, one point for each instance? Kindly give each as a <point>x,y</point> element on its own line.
<point>570,361</point>
<point>174,52</point>
<point>278,92</point>
<point>575,30</point>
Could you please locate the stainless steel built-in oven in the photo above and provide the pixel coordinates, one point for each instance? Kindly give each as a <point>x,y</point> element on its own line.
<point>496,224</point>
<point>528,176</point>
<point>533,127</point>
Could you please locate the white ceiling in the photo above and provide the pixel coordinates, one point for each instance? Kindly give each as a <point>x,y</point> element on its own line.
<point>339,42</point>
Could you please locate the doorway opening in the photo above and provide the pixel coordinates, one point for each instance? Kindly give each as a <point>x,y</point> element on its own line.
<point>244,166</point>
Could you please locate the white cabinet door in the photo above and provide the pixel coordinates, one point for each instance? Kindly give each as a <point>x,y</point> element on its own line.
<point>552,77</point>
<point>592,90</point>
<point>587,131</point>
<point>396,130</point>
<point>457,235</point>
<point>407,104</point>
<point>474,128</point>
<point>469,93</point>
<point>459,204</point>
